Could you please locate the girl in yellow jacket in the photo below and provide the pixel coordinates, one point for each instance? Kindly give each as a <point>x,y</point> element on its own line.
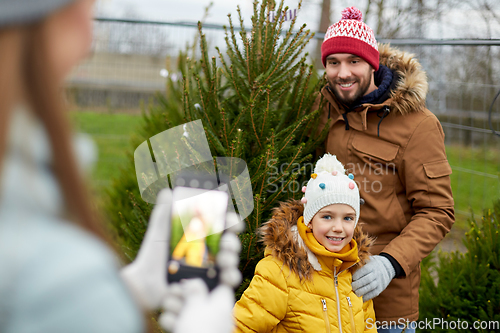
<point>303,284</point>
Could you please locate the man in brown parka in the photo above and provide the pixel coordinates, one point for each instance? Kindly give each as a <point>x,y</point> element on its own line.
<point>381,130</point>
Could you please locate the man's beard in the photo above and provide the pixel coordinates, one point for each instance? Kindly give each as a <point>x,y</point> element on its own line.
<point>362,89</point>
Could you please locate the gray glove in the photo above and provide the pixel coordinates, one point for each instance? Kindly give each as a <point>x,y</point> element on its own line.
<point>371,279</point>
<point>191,308</point>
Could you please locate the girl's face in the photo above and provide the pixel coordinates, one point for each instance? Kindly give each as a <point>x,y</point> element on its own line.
<point>333,226</point>
<point>69,36</point>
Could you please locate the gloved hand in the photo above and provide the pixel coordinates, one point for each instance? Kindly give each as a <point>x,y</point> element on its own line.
<point>146,275</point>
<point>190,308</point>
<point>371,279</point>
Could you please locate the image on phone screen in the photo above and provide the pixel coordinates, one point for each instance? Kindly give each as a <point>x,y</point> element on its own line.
<point>198,220</point>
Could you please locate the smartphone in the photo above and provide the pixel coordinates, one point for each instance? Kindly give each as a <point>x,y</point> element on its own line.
<point>197,223</point>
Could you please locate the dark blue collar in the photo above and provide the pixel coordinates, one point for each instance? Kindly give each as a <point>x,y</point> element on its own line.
<point>383,79</point>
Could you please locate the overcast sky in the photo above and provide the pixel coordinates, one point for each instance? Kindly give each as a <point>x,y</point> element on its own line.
<point>187,10</point>
<point>454,25</point>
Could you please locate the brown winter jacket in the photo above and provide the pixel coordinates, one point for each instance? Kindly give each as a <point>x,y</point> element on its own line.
<point>400,165</point>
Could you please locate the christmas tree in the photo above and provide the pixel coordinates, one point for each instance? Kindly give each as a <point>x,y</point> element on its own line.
<point>461,289</point>
<point>255,102</point>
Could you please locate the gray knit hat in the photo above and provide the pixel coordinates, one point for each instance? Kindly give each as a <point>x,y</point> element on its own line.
<point>329,185</point>
<point>19,12</point>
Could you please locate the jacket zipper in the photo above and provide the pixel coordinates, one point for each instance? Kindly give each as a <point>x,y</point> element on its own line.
<point>335,275</point>
<point>338,298</point>
<point>353,326</point>
<point>325,314</point>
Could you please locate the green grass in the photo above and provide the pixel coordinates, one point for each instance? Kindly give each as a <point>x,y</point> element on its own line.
<point>111,133</point>
<point>475,178</point>
<point>475,185</point>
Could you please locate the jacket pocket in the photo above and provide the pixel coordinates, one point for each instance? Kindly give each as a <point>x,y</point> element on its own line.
<point>437,169</point>
<point>438,183</point>
<point>375,147</point>
<point>353,325</point>
<point>325,315</point>
<point>373,165</point>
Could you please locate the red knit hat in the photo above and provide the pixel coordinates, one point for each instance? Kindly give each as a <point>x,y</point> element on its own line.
<point>351,35</point>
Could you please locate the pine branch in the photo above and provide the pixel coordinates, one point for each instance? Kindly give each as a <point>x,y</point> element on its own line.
<point>298,37</point>
<point>260,25</point>
<point>232,56</point>
<point>296,53</point>
<point>290,136</point>
<point>243,32</point>
<point>261,158</point>
<point>216,81</point>
<point>216,142</point>
<point>273,197</point>
<point>249,246</point>
<point>257,214</point>
<point>289,165</point>
<point>233,80</point>
<point>277,27</point>
<point>253,125</point>
<point>303,91</point>
<point>204,53</point>
<point>247,61</point>
<point>269,156</point>
<point>235,125</point>
<point>202,94</point>
<point>239,145</point>
<point>266,110</point>
<point>235,43</point>
<point>296,85</point>
<point>224,122</point>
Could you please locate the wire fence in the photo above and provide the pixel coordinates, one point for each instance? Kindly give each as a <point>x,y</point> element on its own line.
<point>131,60</point>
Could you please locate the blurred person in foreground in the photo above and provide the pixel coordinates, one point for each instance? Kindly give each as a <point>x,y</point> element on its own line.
<point>381,130</point>
<point>56,272</point>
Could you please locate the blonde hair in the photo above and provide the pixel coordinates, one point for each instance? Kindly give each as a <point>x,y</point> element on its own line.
<point>24,61</point>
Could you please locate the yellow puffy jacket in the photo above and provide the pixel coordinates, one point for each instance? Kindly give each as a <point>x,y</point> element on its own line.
<point>295,291</point>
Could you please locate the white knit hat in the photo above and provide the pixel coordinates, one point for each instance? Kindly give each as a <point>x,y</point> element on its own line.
<point>329,185</point>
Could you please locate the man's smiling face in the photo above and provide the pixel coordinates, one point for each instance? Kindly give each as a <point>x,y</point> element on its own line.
<point>349,76</point>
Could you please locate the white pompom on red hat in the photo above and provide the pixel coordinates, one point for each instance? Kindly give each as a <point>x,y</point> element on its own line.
<point>351,35</point>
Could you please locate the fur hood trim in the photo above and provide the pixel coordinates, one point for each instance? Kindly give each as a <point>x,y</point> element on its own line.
<point>280,236</point>
<point>411,90</point>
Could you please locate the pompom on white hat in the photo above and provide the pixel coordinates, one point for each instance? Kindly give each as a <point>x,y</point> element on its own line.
<point>329,185</point>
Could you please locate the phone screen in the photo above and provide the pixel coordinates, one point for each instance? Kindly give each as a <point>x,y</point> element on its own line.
<point>197,223</point>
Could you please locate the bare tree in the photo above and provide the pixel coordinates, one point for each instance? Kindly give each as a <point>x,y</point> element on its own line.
<point>488,12</point>
<point>399,18</point>
<point>324,23</point>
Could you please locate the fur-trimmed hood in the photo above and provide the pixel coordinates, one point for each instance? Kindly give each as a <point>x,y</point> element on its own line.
<point>411,90</point>
<point>280,236</point>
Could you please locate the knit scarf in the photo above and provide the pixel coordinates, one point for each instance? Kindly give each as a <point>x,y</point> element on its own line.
<point>383,80</point>
<point>348,254</point>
